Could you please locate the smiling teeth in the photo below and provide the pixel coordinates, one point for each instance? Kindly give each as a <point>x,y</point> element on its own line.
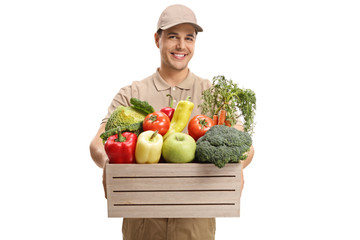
<point>179,55</point>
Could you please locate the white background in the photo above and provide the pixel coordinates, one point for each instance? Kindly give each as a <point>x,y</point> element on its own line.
<point>62,62</point>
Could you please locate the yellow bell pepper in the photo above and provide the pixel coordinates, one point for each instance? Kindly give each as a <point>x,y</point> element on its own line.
<point>181,117</point>
<point>148,147</point>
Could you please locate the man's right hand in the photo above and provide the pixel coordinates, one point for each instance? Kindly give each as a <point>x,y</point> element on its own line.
<point>104,180</point>
<point>98,153</point>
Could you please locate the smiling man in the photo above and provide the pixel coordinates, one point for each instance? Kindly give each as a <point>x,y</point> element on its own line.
<point>177,45</point>
<point>175,37</point>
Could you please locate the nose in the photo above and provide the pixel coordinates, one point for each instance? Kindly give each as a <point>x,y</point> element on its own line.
<point>181,44</point>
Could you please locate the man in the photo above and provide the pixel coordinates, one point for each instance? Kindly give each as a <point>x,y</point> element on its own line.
<point>175,37</point>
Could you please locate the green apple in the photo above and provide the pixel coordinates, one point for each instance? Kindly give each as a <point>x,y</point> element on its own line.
<point>179,148</point>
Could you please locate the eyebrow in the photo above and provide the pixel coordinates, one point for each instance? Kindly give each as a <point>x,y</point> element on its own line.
<point>175,33</point>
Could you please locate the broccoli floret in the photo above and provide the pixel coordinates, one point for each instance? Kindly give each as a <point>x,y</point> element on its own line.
<point>221,145</point>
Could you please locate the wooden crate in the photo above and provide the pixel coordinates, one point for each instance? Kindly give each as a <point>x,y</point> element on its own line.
<point>169,190</point>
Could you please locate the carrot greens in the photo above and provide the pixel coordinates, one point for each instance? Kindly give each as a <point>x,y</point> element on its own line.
<point>239,103</point>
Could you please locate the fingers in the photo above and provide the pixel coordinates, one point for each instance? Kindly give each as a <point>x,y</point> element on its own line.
<point>242,178</point>
<point>104,180</point>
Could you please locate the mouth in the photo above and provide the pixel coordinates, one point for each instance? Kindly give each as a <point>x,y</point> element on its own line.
<point>179,56</point>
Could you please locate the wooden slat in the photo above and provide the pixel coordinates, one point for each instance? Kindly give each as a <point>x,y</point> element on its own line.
<point>174,197</point>
<point>176,211</point>
<point>174,183</point>
<point>171,169</point>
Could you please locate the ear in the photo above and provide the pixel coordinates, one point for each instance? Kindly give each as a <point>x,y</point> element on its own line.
<point>157,39</point>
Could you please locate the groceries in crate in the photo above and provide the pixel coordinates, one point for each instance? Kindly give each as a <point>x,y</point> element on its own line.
<point>169,110</point>
<point>148,147</point>
<point>157,121</point>
<point>227,103</point>
<point>128,119</point>
<point>211,136</point>
<point>199,125</point>
<point>181,117</point>
<point>120,147</point>
<point>179,147</point>
<point>222,144</point>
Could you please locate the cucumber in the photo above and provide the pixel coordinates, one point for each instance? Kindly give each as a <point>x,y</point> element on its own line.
<point>134,127</point>
<point>142,105</point>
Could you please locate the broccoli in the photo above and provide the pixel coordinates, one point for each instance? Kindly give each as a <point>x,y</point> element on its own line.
<point>221,145</point>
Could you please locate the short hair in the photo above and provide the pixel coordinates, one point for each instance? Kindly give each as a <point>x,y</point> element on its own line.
<point>159,32</point>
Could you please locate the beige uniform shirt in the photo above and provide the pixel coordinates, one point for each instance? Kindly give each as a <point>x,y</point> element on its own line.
<point>154,89</point>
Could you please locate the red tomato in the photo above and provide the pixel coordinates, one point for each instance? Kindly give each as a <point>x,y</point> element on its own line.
<point>199,125</point>
<point>157,121</point>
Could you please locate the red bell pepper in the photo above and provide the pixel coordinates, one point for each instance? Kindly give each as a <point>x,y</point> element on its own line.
<point>169,110</point>
<point>120,148</point>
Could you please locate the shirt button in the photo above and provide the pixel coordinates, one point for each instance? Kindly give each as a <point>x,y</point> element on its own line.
<point>174,88</point>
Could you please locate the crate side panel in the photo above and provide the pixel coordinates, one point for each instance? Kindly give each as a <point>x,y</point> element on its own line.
<point>134,182</point>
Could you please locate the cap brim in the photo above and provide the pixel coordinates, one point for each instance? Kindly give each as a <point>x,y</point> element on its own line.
<point>197,27</point>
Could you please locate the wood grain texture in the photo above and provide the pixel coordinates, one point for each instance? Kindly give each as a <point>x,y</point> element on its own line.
<point>173,190</point>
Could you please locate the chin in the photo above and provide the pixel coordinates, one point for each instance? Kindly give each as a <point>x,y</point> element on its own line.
<point>179,67</point>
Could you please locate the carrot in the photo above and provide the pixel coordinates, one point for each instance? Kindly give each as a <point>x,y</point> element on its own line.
<point>227,123</point>
<point>215,119</point>
<point>222,117</point>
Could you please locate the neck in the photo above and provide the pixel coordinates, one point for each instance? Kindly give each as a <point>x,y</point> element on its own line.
<point>173,77</point>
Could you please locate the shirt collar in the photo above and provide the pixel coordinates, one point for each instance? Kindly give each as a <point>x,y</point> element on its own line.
<point>161,84</point>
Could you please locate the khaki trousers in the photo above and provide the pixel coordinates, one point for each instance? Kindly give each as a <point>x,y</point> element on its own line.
<point>168,228</point>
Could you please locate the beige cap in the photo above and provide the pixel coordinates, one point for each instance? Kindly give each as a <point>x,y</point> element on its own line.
<point>177,14</point>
